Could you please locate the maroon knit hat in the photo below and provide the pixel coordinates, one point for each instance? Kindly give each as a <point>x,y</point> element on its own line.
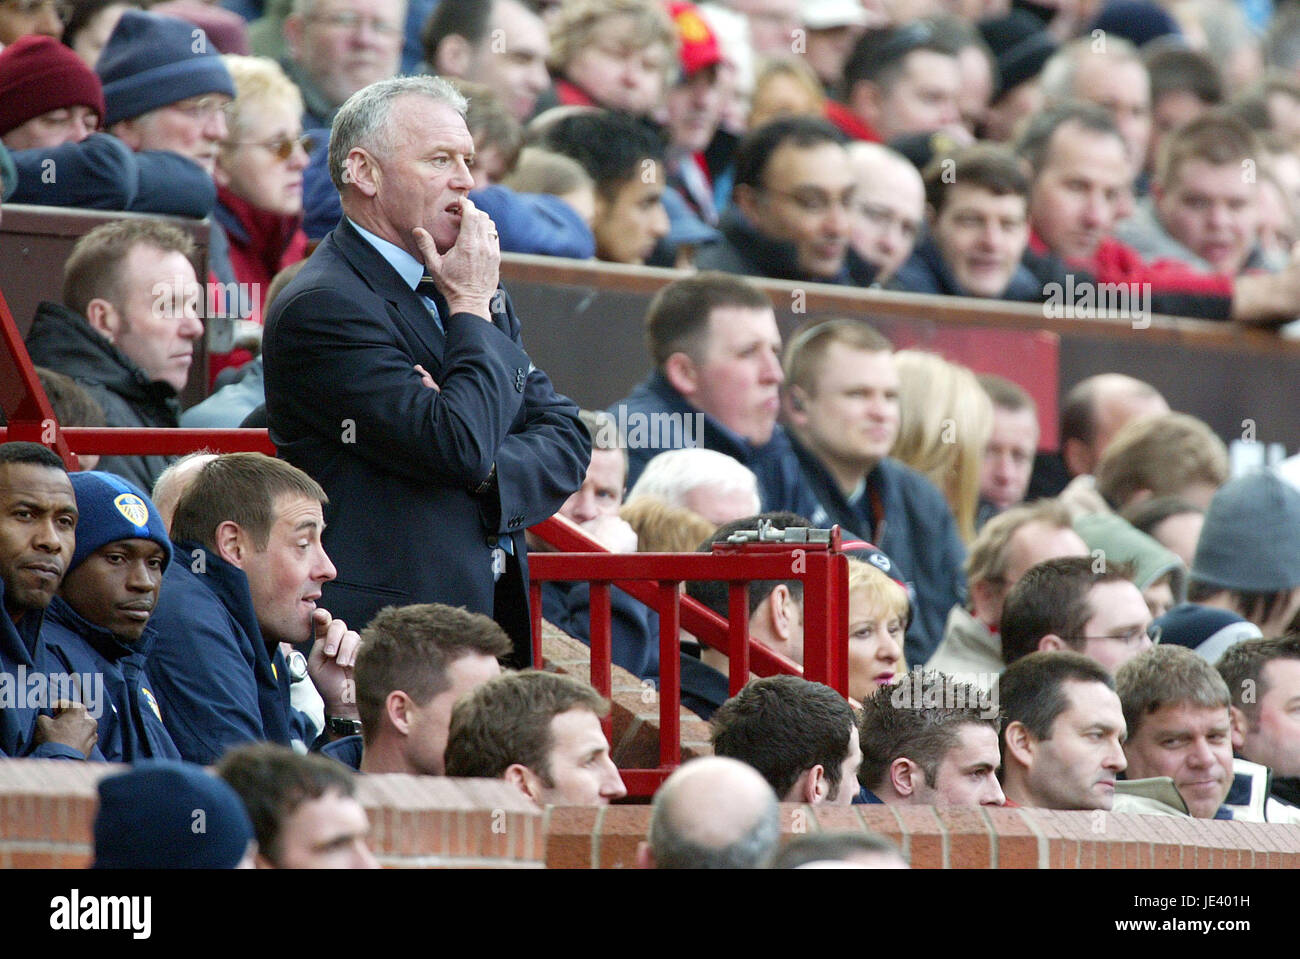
<point>39,74</point>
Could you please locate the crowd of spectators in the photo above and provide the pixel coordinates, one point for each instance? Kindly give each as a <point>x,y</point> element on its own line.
<point>1108,626</point>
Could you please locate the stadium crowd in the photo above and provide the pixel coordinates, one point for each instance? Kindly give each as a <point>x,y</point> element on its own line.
<point>1111,626</point>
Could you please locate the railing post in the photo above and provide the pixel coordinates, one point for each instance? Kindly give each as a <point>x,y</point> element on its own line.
<point>738,651</point>
<point>670,674</point>
<point>601,647</point>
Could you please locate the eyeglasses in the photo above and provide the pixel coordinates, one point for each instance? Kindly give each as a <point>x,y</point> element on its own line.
<point>204,108</point>
<point>887,219</point>
<point>1134,636</point>
<point>282,148</point>
<point>350,22</point>
<point>816,201</point>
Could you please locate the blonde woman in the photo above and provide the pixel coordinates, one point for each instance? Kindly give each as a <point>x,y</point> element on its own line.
<point>878,614</point>
<point>259,175</point>
<point>945,422</point>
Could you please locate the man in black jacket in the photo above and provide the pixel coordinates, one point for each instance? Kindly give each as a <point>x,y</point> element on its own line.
<point>125,329</point>
<point>395,375</point>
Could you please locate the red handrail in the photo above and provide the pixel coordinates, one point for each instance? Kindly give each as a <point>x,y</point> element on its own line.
<point>655,579</point>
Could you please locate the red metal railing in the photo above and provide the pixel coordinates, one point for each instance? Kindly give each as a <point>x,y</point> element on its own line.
<point>655,579</point>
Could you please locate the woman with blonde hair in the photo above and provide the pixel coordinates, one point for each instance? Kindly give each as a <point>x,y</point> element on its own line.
<point>259,175</point>
<point>878,614</point>
<point>945,422</point>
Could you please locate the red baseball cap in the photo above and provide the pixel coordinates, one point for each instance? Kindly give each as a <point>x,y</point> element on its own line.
<point>699,45</point>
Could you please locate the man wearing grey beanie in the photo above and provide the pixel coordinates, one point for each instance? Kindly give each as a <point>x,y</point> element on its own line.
<point>1248,557</point>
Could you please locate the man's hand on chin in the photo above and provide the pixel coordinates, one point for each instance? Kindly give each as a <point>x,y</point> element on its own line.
<point>333,655</point>
<point>468,273</point>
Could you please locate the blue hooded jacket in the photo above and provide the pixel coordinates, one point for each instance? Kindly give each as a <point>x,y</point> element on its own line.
<point>130,725</point>
<point>23,655</point>
<point>214,678</point>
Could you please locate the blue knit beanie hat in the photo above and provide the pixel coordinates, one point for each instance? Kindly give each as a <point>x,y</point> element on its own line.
<point>165,814</point>
<point>151,61</point>
<point>110,509</point>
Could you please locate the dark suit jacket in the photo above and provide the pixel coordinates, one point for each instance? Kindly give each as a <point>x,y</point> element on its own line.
<point>400,461</point>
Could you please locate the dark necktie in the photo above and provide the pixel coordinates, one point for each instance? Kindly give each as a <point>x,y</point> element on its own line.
<point>427,289</point>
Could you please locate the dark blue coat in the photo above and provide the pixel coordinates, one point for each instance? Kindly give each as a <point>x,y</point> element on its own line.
<point>22,654</point>
<point>401,463</point>
<point>130,725</point>
<point>779,483</point>
<point>905,515</point>
<point>214,677</point>
<point>926,271</point>
<point>347,751</point>
<point>101,173</point>
<point>744,249</point>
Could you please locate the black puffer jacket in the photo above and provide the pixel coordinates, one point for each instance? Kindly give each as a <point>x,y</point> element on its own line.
<point>62,340</point>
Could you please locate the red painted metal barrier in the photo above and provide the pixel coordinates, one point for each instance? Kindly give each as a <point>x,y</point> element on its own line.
<point>656,578</point>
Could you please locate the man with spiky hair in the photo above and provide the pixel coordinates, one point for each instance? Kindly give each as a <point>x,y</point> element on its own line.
<point>930,741</point>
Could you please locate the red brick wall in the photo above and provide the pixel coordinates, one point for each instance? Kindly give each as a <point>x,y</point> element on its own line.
<point>966,838</point>
<point>47,811</point>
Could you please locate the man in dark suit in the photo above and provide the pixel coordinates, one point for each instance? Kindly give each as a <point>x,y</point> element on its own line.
<point>396,378</point>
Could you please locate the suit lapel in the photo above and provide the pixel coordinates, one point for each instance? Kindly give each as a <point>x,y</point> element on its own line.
<point>409,311</point>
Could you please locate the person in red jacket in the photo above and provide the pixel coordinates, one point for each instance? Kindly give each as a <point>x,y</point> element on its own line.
<point>1081,183</point>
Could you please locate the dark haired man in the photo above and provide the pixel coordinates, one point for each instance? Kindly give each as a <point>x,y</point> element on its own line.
<point>775,617</point>
<point>930,741</point>
<point>625,158</point>
<point>1263,678</point>
<point>792,207</point>
<point>1069,603</point>
<point>800,736</point>
<point>904,79</point>
<point>1063,733</point>
<point>38,521</point>
<point>248,575</point>
<point>414,664</point>
<point>977,200</point>
<point>303,808</point>
<point>541,733</point>
<point>500,43</point>
<point>716,350</point>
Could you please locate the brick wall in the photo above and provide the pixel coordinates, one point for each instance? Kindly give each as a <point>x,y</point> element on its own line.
<point>964,838</point>
<point>47,810</point>
<point>47,814</point>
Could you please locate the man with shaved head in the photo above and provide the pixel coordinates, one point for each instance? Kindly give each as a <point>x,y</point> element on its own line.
<point>712,813</point>
<point>888,209</point>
